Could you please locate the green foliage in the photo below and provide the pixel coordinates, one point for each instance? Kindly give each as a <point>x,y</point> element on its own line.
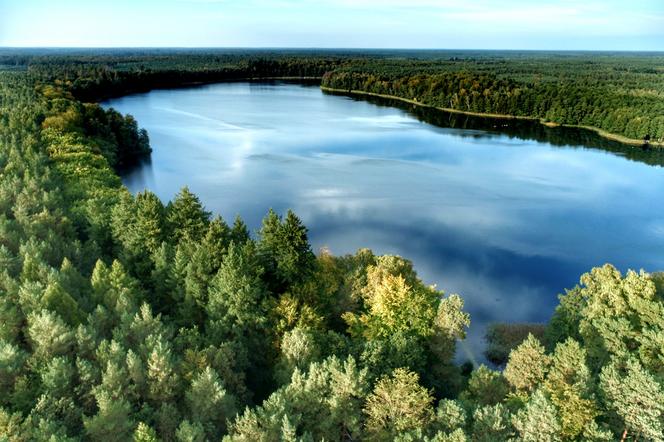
<point>485,387</point>
<point>325,402</point>
<point>210,405</point>
<point>606,92</point>
<point>285,250</point>
<point>394,306</point>
<point>491,423</point>
<point>621,315</point>
<point>112,422</point>
<point>398,403</point>
<point>49,336</point>
<point>123,318</point>
<point>636,397</point>
<point>538,421</point>
<point>527,365</point>
<point>186,216</point>
<point>571,389</point>
<point>145,433</point>
<point>450,416</point>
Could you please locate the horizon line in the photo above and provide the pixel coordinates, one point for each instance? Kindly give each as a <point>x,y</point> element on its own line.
<point>348,48</point>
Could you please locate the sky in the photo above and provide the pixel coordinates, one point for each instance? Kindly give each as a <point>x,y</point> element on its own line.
<point>435,24</point>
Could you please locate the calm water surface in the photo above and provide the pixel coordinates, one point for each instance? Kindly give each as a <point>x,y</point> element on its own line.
<point>506,219</point>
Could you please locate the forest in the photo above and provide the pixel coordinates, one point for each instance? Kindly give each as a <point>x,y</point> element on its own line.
<point>124,317</point>
<point>618,94</point>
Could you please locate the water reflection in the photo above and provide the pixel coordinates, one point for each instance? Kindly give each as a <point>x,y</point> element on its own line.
<point>478,127</point>
<point>506,218</point>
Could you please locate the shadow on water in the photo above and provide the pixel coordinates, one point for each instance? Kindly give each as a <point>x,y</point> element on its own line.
<point>139,170</point>
<point>568,137</point>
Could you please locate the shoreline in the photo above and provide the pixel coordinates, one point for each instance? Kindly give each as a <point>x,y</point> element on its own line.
<point>601,132</point>
<point>185,84</point>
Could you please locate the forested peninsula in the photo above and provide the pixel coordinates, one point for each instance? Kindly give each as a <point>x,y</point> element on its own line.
<point>124,317</point>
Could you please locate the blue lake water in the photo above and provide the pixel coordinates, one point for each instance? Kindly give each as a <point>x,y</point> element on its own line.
<point>505,214</point>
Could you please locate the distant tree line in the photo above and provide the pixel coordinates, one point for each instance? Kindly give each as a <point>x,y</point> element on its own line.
<point>635,114</point>
<point>621,94</point>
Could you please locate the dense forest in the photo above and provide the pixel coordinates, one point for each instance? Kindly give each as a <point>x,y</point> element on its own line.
<point>620,94</point>
<point>123,317</point>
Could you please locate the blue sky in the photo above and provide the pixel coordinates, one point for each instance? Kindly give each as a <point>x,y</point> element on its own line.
<point>482,24</point>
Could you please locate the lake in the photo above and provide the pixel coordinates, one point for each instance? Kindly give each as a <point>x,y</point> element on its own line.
<point>507,214</point>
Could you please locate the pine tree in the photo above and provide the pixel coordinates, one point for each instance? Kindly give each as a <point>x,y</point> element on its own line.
<point>622,315</point>
<point>149,224</point>
<point>139,225</point>
<point>491,423</point>
<point>323,403</point>
<point>394,305</point>
<point>56,299</point>
<point>485,387</point>
<point>237,291</point>
<point>288,431</point>
<point>162,280</point>
<point>538,421</point>
<point>570,387</point>
<point>49,336</point>
<point>285,250</point>
<point>216,242</point>
<point>12,360</point>
<point>636,397</point>
<point>209,404</point>
<point>12,317</point>
<point>450,415</point>
<point>74,283</point>
<point>112,423</point>
<point>161,373</point>
<point>565,320</point>
<point>527,365</point>
<point>115,289</point>
<point>239,232</point>
<point>398,403</point>
<point>187,217</point>
<point>190,432</point>
<point>144,433</point>
<point>298,350</point>
<point>57,377</point>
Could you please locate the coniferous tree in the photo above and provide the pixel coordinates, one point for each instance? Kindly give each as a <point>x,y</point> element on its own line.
<point>112,422</point>
<point>571,389</point>
<point>538,421</point>
<point>209,403</point>
<point>398,403</point>
<point>527,366</point>
<point>145,433</point>
<point>636,397</point>
<point>186,216</point>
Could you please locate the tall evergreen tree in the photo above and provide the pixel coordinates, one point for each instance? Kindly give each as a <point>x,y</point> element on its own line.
<point>636,397</point>
<point>527,365</point>
<point>186,216</point>
<point>398,403</point>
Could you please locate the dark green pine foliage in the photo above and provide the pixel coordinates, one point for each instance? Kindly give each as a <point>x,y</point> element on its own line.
<point>237,310</point>
<point>285,251</point>
<point>186,216</point>
<point>239,232</point>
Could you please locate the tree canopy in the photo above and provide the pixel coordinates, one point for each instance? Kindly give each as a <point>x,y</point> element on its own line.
<point>125,317</point>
